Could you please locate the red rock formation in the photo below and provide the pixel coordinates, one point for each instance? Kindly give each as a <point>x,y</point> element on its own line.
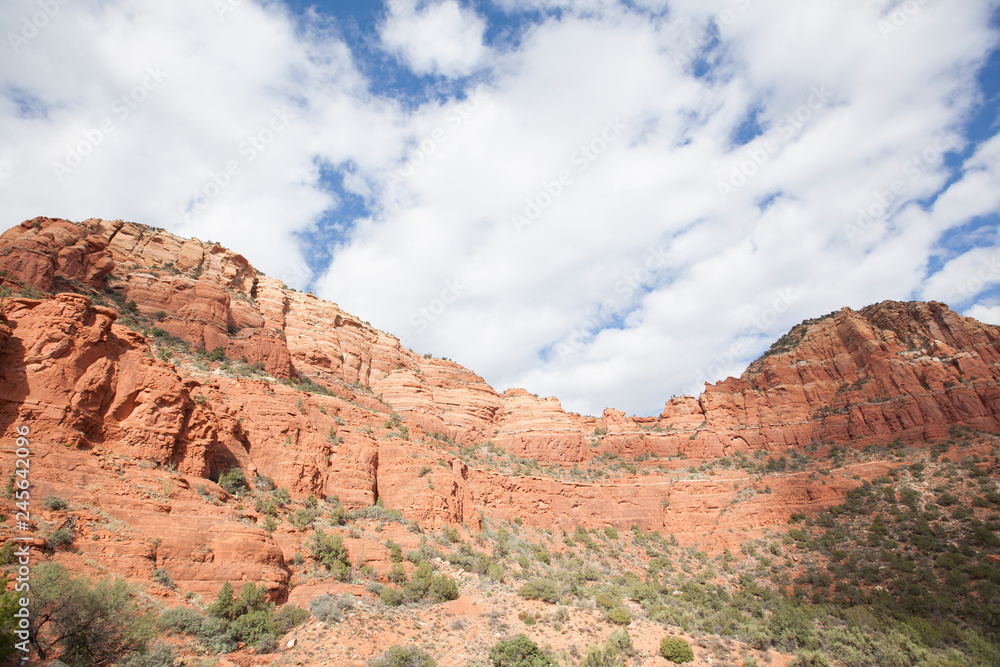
<point>89,381</point>
<point>39,250</point>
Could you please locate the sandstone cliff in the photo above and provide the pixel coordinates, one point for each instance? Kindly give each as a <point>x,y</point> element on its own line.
<point>196,363</point>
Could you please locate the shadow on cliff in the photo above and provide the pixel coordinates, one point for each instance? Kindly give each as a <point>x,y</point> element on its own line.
<point>13,378</point>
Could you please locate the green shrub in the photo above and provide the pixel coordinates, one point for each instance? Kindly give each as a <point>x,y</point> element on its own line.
<point>60,537</point>
<point>252,598</point>
<point>255,626</point>
<point>53,502</point>
<point>323,609</point>
<point>160,655</point>
<point>420,582</point>
<point>287,617</point>
<point>619,616</point>
<point>9,604</point>
<point>620,642</point>
<point>540,589</point>
<point>303,518</point>
<point>403,656</point>
<point>329,551</point>
<point>519,651</point>
<point>397,574</point>
<point>608,600</point>
<point>216,635</point>
<point>676,650</point>
<point>392,597</point>
<point>234,481</point>
<point>161,576</point>
<point>809,659</point>
<point>180,619</point>
<point>443,588</point>
<point>601,657</point>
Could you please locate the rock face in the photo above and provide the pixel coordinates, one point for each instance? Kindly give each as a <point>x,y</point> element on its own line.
<point>907,370</point>
<point>362,418</point>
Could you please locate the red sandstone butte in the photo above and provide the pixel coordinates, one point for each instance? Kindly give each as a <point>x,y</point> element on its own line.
<point>135,438</point>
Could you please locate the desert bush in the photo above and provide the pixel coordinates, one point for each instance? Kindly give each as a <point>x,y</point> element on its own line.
<point>600,657</point>
<point>397,574</point>
<point>443,588</point>
<point>216,635</point>
<point>676,650</point>
<point>392,597</point>
<point>809,659</point>
<point>540,589</point>
<point>161,576</point>
<point>234,481</point>
<point>330,552</point>
<point>303,518</point>
<point>287,617</point>
<point>403,656</point>
<point>330,609</point>
<point>451,534</point>
<point>60,537</point>
<point>180,619</point>
<point>619,616</point>
<point>621,642</point>
<point>255,626</point>
<point>519,651</point>
<point>53,502</point>
<point>160,655</point>
<point>8,622</point>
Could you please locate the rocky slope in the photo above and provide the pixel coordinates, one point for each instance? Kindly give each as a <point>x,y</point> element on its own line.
<point>196,363</point>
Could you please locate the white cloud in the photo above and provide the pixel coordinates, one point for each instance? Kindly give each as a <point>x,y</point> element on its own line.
<point>987,314</point>
<point>638,278</point>
<point>439,38</point>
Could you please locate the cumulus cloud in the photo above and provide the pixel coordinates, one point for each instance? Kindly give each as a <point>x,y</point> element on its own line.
<point>619,205</point>
<point>438,38</point>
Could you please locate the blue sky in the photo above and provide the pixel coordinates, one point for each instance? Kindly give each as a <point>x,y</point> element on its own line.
<point>607,201</point>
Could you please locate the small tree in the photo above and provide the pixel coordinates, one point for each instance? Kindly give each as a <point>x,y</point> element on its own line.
<point>225,604</point>
<point>86,624</point>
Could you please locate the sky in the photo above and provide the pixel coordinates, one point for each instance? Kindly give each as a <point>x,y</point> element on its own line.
<point>608,201</point>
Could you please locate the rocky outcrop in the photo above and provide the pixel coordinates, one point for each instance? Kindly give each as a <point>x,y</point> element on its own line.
<point>891,370</point>
<point>364,419</point>
<point>39,251</point>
